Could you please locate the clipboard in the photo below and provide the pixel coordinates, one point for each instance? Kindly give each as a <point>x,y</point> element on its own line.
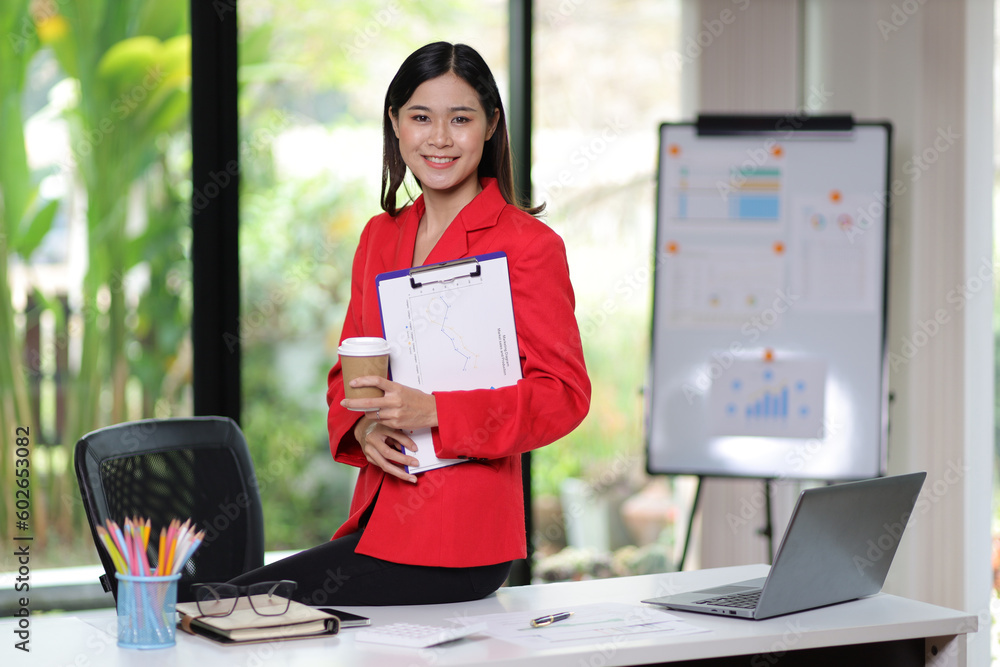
<point>450,327</point>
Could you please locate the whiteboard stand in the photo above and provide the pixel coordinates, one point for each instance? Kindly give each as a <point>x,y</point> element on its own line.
<point>767,531</point>
<point>687,532</point>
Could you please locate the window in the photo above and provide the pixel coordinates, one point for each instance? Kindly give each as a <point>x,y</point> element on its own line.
<point>606,76</point>
<point>95,301</point>
<point>96,235</point>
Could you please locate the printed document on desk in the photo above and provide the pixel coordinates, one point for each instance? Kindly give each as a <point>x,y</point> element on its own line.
<point>589,623</point>
<point>450,327</point>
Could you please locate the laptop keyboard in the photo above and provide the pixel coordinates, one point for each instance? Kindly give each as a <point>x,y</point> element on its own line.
<point>741,600</point>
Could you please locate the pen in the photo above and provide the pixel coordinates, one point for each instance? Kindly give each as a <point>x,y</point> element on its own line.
<point>542,621</point>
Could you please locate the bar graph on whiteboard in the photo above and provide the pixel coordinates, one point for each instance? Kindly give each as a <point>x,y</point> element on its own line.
<point>769,399</point>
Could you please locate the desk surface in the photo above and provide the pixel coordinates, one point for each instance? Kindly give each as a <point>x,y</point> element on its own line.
<point>88,638</point>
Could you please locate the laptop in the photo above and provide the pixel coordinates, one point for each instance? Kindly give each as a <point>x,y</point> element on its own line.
<point>837,547</point>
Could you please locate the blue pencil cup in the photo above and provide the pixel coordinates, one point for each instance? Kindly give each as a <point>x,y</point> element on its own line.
<point>146,614</point>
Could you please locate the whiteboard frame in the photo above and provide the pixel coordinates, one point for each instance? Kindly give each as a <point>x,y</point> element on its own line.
<point>658,461</point>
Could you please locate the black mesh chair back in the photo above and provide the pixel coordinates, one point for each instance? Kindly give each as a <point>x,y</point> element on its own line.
<point>198,468</point>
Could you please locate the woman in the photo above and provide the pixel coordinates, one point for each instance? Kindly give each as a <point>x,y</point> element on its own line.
<point>449,534</point>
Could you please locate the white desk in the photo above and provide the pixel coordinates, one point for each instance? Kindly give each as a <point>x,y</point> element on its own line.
<point>882,623</point>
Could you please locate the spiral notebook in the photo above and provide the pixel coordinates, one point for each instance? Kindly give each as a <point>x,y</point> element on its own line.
<point>450,327</point>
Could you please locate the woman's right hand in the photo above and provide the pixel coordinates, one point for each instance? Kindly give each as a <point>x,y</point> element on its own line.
<point>382,447</point>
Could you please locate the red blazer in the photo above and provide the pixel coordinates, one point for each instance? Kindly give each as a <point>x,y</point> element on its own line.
<point>472,513</point>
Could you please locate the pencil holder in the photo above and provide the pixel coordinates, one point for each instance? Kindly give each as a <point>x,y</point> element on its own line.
<point>146,615</point>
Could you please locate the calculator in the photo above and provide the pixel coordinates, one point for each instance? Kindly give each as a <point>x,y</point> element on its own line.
<point>412,635</point>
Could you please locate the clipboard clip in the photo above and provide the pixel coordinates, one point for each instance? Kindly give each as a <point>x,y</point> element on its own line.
<point>458,268</point>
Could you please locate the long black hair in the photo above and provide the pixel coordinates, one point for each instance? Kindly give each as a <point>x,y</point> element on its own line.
<point>429,62</point>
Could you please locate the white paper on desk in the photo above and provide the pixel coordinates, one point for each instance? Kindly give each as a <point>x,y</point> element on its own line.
<point>451,328</point>
<point>612,621</point>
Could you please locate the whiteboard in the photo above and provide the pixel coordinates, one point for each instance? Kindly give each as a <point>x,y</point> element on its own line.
<point>768,351</point>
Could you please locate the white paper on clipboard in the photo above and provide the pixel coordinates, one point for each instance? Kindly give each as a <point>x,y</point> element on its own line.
<point>450,327</point>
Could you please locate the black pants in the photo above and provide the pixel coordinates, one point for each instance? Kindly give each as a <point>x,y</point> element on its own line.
<point>333,574</point>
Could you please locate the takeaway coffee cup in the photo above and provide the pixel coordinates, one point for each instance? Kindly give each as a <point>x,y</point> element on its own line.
<point>363,356</point>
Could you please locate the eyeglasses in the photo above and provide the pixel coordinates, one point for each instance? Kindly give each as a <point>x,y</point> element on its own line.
<point>267,598</point>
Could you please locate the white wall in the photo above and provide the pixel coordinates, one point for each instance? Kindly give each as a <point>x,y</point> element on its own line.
<point>926,67</point>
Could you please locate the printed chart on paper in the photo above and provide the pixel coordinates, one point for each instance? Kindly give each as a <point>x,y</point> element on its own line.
<point>442,336</point>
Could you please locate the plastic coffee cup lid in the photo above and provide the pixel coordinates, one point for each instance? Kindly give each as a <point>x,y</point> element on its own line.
<point>363,347</point>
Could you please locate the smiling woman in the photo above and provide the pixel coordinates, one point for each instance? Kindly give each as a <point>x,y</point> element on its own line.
<point>311,117</point>
<point>440,133</point>
<point>453,138</point>
<point>443,127</point>
<point>458,72</point>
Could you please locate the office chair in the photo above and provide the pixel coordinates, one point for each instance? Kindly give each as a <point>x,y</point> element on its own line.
<point>196,468</point>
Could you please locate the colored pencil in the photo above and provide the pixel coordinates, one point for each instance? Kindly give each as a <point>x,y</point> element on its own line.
<point>196,541</point>
<point>128,546</point>
<point>112,550</point>
<point>160,553</point>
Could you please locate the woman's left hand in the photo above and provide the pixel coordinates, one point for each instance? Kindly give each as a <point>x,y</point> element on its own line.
<point>401,408</point>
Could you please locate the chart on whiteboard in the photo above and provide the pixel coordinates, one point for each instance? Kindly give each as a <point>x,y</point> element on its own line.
<point>782,399</point>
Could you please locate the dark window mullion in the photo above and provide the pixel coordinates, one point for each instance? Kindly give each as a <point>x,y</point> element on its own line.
<point>215,209</point>
<point>519,122</point>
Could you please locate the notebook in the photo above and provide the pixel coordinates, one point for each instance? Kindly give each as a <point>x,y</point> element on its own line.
<point>245,625</point>
<point>837,547</point>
